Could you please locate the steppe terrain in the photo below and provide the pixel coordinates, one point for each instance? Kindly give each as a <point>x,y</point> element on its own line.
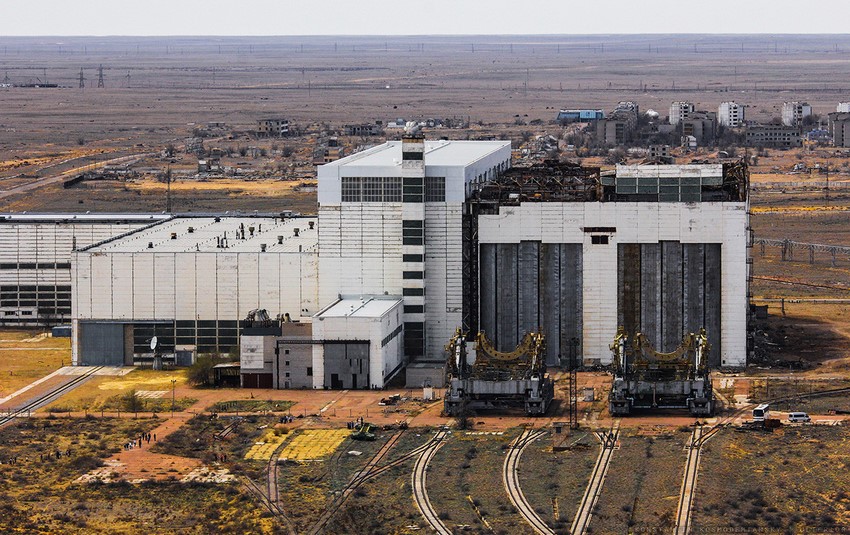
<point>235,452</point>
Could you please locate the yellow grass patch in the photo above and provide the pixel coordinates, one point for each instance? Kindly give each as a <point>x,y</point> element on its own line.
<point>262,450</point>
<point>26,356</point>
<point>144,380</point>
<point>314,444</point>
<point>247,187</point>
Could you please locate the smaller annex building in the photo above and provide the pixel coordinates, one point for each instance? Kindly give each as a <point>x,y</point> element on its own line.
<point>189,281</point>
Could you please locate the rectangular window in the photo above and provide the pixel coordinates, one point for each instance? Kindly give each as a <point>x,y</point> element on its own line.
<point>412,241</point>
<point>287,363</point>
<point>435,189</point>
<point>373,189</point>
<point>310,371</point>
<point>599,240</point>
<point>414,309</point>
<point>351,189</point>
<point>392,189</point>
<point>410,155</point>
<point>413,275</point>
<point>412,292</point>
<point>413,258</point>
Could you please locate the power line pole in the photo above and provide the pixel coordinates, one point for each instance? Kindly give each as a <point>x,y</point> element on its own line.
<point>100,76</point>
<point>82,79</point>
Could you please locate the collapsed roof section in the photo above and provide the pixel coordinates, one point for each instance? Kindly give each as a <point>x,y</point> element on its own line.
<point>554,181</point>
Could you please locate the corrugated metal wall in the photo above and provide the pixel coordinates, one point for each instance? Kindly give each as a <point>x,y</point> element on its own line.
<point>529,286</point>
<point>668,289</point>
<point>101,344</point>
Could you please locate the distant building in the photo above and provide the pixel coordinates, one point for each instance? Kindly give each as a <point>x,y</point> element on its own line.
<point>365,129</point>
<point>273,127</point>
<point>774,135</point>
<point>660,154</point>
<point>839,129</point>
<point>701,125</point>
<point>579,116</point>
<point>679,111</point>
<point>843,107</point>
<point>619,127</point>
<point>730,114</point>
<point>793,113</point>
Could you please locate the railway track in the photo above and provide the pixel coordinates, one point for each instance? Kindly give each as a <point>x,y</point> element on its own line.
<point>368,472</point>
<point>597,478</point>
<point>510,479</point>
<point>50,396</point>
<point>420,488</point>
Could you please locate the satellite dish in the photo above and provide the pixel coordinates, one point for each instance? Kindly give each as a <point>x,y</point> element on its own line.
<point>154,343</point>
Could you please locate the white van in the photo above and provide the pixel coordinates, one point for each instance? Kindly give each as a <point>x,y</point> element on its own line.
<point>799,417</point>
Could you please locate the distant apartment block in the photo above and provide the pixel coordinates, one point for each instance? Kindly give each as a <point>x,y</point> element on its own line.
<point>619,127</point>
<point>273,127</point>
<point>839,128</point>
<point>730,114</point>
<point>793,113</point>
<point>579,116</point>
<point>679,111</point>
<point>774,135</point>
<point>701,125</point>
<point>843,107</point>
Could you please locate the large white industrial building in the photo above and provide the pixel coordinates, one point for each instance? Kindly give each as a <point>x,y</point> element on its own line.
<point>414,239</point>
<point>188,281</point>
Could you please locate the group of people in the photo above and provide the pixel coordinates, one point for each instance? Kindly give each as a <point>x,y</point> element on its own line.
<point>137,443</point>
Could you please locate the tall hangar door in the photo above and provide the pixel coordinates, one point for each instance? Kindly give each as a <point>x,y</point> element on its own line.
<point>101,344</point>
<point>668,289</point>
<point>528,286</point>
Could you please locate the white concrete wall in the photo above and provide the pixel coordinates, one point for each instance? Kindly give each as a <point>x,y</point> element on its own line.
<point>190,285</point>
<point>382,360</point>
<point>706,222</point>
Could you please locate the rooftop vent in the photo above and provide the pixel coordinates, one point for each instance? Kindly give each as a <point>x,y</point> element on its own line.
<point>279,240</point>
<point>191,230</point>
<point>311,224</point>
<point>296,230</point>
<point>262,247</point>
<point>150,245</point>
<point>217,220</point>
<point>251,231</point>
<point>173,235</point>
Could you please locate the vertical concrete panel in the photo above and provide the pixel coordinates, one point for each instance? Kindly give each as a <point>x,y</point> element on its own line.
<point>628,280</point>
<point>650,291</point>
<point>713,300</point>
<point>550,299</point>
<point>671,296</point>
<point>506,296</point>
<point>487,289</point>
<point>528,297</point>
<point>694,287</point>
<point>571,297</point>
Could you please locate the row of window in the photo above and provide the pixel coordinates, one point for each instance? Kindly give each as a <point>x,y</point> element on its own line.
<point>34,265</point>
<point>388,189</point>
<point>48,300</point>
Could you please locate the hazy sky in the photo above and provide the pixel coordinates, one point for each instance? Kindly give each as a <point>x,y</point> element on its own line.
<point>406,17</point>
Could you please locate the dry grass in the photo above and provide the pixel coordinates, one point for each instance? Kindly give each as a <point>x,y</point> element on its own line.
<point>470,467</point>
<point>793,479</point>
<point>28,355</point>
<point>101,392</point>
<point>642,486</point>
<point>554,482</point>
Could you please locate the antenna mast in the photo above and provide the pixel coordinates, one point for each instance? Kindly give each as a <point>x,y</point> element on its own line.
<point>100,76</point>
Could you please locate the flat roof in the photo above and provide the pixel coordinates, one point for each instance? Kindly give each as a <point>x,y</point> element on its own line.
<point>440,153</point>
<point>104,217</point>
<point>218,234</point>
<point>367,306</point>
